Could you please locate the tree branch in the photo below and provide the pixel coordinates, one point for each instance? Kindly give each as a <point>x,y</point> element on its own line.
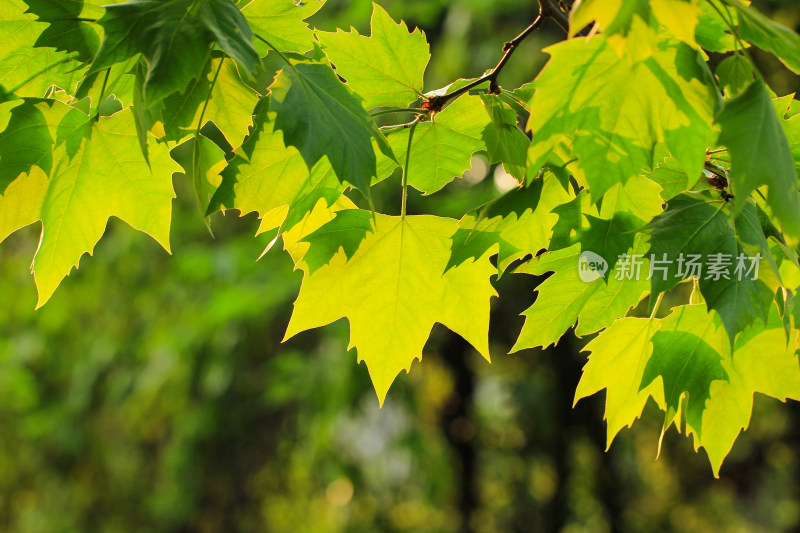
<point>552,9</point>
<point>435,103</point>
<point>547,8</point>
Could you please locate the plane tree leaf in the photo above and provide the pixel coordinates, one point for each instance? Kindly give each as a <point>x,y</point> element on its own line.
<point>618,357</point>
<point>391,310</point>
<point>85,187</point>
<point>615,115</point>
<point>519,223</point>
<point>442,148</point>
<point>768,34</point>
<point>272,179</point>
<point>66,31</point>
<point>385,68</point>
<point>697,229</point>
<point>230,104</point>
<point>505,142</point>
<point>750,129</point>
<point>321,117</point>
<point>281,23</point>
<point>174,37</point>
<point>565,298</point>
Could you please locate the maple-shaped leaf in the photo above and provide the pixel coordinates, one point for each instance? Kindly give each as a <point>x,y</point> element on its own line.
<point>768,35</point>
<point>442,148</point>
<point>505,142</point>
<point>565,297</point>
<point>280,22</point>
<point>686,365</point>
<point>617,361</point>
<point>630,25</point>
<point>696,228</point>
<point>608,231</point>
<point>89,182</point>
<point>26,70</point>
<point>615,115</point>
<point>520,223</point>
<point>345,232</point>
<point>385,68</point>
<point>392,309</point>
<point>672,181</point>
<point>174,37</point>
<point>763,362</point>
<point>66,30</point>
<point>219,95</point>
<point>25,142</point>
<point>321,117</point>
<point>272,179</point>
<point>713,32</point>
<point>751,129</point>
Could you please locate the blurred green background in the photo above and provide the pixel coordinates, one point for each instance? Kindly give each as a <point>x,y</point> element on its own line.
<point>153,394</point>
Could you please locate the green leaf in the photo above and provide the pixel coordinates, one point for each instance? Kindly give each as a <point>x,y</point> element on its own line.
<point>735,74</point>
<point>321,117</point>
<point>672,181</point>
<point>696,226</point>
<point>346,232</point>
<point>174,37</point>
<point>202,161</point>
<point>386,68</point>
<point>520,222</point>
<point>104,178</point>
<point>392,309</point>
<point>273,180</point>
<point>687,365</point>
<point>26,142</point>
<point>65,31</point>
<point>627,24</point>
<point>768,35</point>
<point>760,155</point>
<point>26,70</point>
<point>713,33</point>
<point>791,127</point>
<point>230,104</point>
<point>504,141</point>
<point>630,24</point>
<point>618,115</point>
<point>765,363</point>
<point>442,148</point>
<point>565,298</point>
<point>617,361</point>
<point>280,22</point>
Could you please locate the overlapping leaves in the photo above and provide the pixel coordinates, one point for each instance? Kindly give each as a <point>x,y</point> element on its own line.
<point>621,123</point>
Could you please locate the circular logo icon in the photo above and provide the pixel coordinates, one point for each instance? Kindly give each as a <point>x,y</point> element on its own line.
<point>591,266</point>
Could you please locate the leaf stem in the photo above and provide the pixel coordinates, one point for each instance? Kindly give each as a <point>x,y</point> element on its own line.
<point>405,168</point>
<point>102,94</point>
<point>208,98</point>
<point>285,59</point>
<point>417,110</point>
<point>739,42</point>
<point>657,305</point>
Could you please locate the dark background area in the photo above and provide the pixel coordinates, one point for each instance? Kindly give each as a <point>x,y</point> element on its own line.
<point>153,394</point>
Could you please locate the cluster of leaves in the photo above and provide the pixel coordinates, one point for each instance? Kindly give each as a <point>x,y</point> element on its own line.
<point>101,106</point>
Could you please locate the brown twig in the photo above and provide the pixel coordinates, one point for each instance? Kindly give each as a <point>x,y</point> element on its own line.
<point>551,9</point>
<point>547,9</point>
